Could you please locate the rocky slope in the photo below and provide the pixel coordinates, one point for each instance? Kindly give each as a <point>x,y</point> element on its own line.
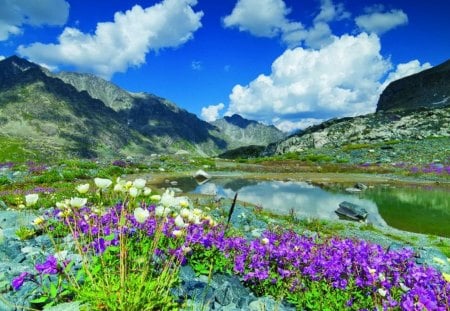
<point>410,109</point>
<point>369,129</point>
<point>83,115</point>
<point>242,132</point>
<point>429,88</point>
<point>51,117</point>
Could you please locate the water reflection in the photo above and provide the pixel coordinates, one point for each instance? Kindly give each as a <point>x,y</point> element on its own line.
<point>280,197</point>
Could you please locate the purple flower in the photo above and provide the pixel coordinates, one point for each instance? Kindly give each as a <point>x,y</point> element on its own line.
<point>50,266</point>
<point>18,281</point>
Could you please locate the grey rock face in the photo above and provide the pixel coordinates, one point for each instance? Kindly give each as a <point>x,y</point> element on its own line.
<point>429,88</point>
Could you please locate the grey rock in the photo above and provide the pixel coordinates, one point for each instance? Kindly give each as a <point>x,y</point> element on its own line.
<point>69,306</point>
<point>267,303</point>
<point>351,211</point>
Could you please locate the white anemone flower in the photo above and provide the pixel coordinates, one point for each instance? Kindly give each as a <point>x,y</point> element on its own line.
<point>77,202</point>
<point>141,215</point>
<point>155,197</point>
<point>102,183</point>
<point>162,211</point>
<point>134,192</point>
<point>38,221</point>
<point>31,199</point>
<point>147,191</point>
<point>82,188</point>
<point>185,213</point>
<point>177,233</point>
<point>264,241</point>
<point>179,222</point>
<point>139,183</point>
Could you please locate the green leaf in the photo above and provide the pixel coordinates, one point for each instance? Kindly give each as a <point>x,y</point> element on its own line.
<point>53,290</point>
<point>41,299</point>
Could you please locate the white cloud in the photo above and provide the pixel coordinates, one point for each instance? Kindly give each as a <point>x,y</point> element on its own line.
<point>289,126</point>
<point>117,45</point>
<point>15,14</point>
<point>340,79</point>
<point>2,57</point>
<point>403,70</point>
<point>211,113</point>
<point>268,18</point>
<point>380,22</point>
<point>263,18</point>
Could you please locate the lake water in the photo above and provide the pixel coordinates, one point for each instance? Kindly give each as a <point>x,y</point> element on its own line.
<point>412,209</point>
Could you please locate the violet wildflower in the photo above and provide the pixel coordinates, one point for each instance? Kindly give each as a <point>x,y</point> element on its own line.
<point>18,281</point>
<point>50,266</point>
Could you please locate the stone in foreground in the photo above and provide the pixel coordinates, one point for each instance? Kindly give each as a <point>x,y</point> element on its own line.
<point>351,211</point>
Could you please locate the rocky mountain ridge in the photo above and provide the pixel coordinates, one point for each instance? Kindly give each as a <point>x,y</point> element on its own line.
<point>412,108</point>
<point>84,115</point>
<point>242,132</point>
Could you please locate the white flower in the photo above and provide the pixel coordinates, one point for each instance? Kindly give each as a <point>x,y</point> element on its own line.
<point>197,212</point>
<point>155,197</point>
<point>372,271</point>
<point>77,202</point>
<point>82,188</point>
<point>186,249</point>
<point>31,199</point>
<point>38,221</point>
<point>265,241</point>
<point>134,192</point>
<point>141,215</point>
<point>184,203</point>
<point>119,187</point>
<point>179,221</point>
<point>139,183</point>
<point>102,183</point>
<point>177,233</point>
<point>147,191</point>
<point>185,213</point>
<point>382,292</point>
<point>162,211</point>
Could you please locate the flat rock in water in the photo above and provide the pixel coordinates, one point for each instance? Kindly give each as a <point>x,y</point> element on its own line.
<point>351,211</point>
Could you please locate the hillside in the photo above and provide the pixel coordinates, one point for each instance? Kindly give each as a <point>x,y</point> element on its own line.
<point>242,132</point>
<point>49,117</point>
<point>414,108</point>
<point>427,89</point>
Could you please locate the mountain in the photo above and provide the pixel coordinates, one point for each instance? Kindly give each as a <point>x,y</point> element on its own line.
<point>413,108</point>
<point>240,132</point>
<point>429,88</point>
<point>50,117</point>
<point>82,115</point>
<point>166,124</point>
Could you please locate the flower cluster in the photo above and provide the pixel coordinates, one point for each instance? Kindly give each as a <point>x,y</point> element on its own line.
<point>280,258</point>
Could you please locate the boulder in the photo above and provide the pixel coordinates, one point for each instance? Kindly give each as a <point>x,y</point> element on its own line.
<point>351,211</point>
<point>201,177</point>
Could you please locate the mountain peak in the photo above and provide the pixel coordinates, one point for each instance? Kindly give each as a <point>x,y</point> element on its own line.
<point>426,89</point>
<point>239,121</point>
<point>19,64</point>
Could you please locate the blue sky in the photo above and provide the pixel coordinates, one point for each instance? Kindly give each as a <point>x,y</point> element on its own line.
<point>291,63</point>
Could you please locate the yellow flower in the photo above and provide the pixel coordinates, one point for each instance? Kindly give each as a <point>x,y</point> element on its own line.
<point>265,241</point>
<point>38,221</point>
<point>177,233</point>
<point>184,203</point>
<point>82,188</point>
<point>155,197</point>
<point>31,199</point>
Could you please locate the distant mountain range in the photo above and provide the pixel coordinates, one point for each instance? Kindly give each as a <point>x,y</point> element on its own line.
<point>82,115</point>
<point>411,108</point>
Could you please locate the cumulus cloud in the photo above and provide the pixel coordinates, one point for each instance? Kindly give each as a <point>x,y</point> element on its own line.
<point>404,70</point>
<point>288,126</point>
<point>380,22</point>
<point>339,79</point>
<point>125,42</point>
<point>15,14</point>
<point>211,113</point>
<point>264,18</point>
<point>2,57</point>
<point>268,18</point>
